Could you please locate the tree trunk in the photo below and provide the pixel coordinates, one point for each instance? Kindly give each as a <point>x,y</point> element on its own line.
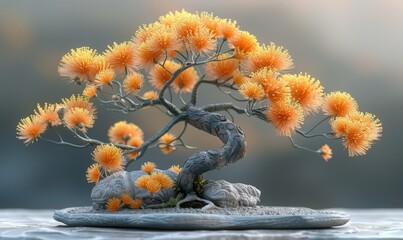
<point>198,163</point>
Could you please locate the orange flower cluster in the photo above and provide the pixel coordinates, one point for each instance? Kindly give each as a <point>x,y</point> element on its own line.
<point>78,102</point>
<point>75,113</point>
<point>105,77</point>
<point>153,181</point>
<point>30,128</point>
<point>79,113</point>
<point>339,104</point>
<point>94,173</point>
<point>290,96</point>
<point>128,201</point>
<point>286,117</point>
<point>109,157</point>
<point>359,131</point>
<point>270,56</point>
<point>222,69</point>
<point>184,82</point>
<point>176,49</point>
<point>305,90</point>
<point>121,57</point>
<point>155,46</point>
<point>148,167</point>
<point>175,168</point>
<point>113,204</point>
<point>150,95</point>
<point>122,132</point>
<point>133,82</point>
<point>326,152</point>
<point>166,143</point>
<point>79,64</point>
<point>90,91</point>
<point>126,133</point>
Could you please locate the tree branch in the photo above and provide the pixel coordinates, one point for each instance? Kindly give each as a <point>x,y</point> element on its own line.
<point>143,148</point>
<point>214,82</point>
<point>230,106</point>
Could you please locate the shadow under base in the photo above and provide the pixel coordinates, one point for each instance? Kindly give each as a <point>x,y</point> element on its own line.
<point>259,217</point>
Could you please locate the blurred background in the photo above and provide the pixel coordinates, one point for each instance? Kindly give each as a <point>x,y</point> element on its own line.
<point>353,46</point>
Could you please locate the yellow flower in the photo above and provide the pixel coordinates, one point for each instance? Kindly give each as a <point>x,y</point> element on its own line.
<point>305,90</point>
<point>339,104</point>
<point>121,132</point>
<point>105,77</point>
<point>175,168</point>
<point>110,157</point>
<point>78,63</point>
<point>271,56</point>
<point>93,173</point>
<point>148,167</point>
<point>326,152</point>
<point>113,204</point>
<point>150,95</point>
<point>133,82</point>
<point>136,203</point>
<point>252,90</point>
<point>90,91</point>
<point>48,114</point>
<point>285,117</point>
<point>222,69</point>
<point>121,56</point>
<point>30,128</point>
<point>166,143</point>
<point>79,118</point>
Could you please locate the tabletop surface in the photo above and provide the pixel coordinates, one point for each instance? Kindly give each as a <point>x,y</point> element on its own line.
<point>39,224</point>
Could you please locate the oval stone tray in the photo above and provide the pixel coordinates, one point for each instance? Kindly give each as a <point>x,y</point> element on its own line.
<point>196,219</point>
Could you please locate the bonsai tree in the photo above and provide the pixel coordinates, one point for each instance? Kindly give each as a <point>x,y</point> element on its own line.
<point>163,67</point>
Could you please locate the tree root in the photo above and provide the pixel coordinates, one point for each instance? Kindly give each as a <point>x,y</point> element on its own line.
<point>193,201</point>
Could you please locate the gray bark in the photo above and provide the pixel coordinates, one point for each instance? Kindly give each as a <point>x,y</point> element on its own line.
<point>198,163</point>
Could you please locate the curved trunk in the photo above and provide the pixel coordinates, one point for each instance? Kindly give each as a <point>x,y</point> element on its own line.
<point>198,163</point>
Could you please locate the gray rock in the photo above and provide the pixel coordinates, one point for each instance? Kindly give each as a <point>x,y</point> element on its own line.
<point>226,194</point>
<point>221,193</point>
<point>124,182</point>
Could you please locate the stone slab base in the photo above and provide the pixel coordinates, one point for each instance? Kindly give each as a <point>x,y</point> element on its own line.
<point>260,217</point>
